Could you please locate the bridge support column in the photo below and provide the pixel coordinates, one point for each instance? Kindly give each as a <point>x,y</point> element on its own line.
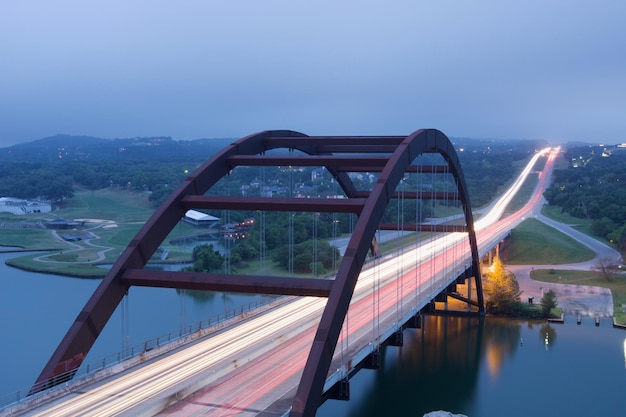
<point>414,322</point>
<point>341,390</point>
<point>469,288</point>
<point>396,339</point>
<point>373,360</point>
<point>504,245</point>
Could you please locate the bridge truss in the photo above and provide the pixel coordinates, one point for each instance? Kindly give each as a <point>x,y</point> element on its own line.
<point>391,158</point>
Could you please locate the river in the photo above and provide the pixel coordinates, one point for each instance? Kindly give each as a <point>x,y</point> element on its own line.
<point>495,367</point>
<point>36,310</point>
<point>479,367</point>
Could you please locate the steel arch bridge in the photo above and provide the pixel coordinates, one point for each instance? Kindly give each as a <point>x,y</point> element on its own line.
<point>392,157</point>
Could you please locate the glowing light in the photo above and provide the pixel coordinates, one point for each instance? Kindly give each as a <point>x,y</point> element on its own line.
<point>494,358</point>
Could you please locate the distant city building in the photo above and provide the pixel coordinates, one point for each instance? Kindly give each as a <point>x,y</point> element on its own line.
<point>19,206</point>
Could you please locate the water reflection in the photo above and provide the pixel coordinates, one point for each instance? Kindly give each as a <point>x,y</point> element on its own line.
<point>441,366</point>
<point>197,296</point>
<point>493,367</point>
<point>444,365</point>
<point>547,334</point>
<point>501,342</point>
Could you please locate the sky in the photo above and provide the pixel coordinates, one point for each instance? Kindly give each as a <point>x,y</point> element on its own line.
<point>549,70</point>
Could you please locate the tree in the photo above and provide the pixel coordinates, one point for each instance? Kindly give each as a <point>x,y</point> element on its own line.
<point>303,254</point>
<point>206,259</point>
<point>603,267</point>
<point>244,250</point>
<point>603,226</point>
<point>502,289</point>
<point>548,302</point>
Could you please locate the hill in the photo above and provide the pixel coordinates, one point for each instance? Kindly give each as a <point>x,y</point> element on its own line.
<point>74,148</point>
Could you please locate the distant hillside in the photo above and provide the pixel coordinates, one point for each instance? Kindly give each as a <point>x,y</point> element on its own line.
<point>72,148</point>
<point>61,141</point>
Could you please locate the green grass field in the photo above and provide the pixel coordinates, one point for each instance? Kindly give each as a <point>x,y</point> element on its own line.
<point>523,195</point>
<point>125,212</point>
<point>108,204</point>
<point>582,225</point>
<point>34,239</point>
<point>534,243</point>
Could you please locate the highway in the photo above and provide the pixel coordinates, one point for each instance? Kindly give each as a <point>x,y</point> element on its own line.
<point>246,369</point>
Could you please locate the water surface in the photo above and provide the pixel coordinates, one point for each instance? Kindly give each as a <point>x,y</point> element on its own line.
<point>493,368</point>
<point>481,368</point>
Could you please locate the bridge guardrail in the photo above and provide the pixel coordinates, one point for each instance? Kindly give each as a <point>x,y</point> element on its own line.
<point>74,376</point>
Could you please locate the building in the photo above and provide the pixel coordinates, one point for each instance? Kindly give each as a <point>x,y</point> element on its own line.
<point>237,230</point>
<point>200,219</point>
<point>19,206</point>
<point>63,224</point>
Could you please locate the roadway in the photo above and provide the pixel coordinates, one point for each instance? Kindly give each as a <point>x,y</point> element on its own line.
<point>253,368</point>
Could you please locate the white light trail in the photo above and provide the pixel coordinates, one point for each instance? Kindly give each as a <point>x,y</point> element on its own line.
<point>225,350</point>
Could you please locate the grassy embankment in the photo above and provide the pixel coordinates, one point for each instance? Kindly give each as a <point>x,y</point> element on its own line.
<point>119,214</point>
<point>534,243</point>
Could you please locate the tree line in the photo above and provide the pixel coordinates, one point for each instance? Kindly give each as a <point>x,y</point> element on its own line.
<point>56,181</point>
<point>593,186</point>
<point>486,166</point>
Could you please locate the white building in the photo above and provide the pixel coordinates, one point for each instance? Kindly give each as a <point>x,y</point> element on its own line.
<point>19,206</point>
<point>199,219</point>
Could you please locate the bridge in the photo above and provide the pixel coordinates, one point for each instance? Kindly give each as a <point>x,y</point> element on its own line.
<point>290,356</point>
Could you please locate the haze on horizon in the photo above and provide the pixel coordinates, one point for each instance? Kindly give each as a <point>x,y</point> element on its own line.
<point>552,70</point>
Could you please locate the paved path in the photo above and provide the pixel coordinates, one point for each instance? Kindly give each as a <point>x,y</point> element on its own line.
<point>585,300</point>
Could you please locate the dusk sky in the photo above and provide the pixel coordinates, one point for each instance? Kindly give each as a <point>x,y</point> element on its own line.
<point>553,70</point>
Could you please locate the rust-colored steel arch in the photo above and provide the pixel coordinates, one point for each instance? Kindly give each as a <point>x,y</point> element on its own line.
<point>340,156</point>
<point>423,141</point>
